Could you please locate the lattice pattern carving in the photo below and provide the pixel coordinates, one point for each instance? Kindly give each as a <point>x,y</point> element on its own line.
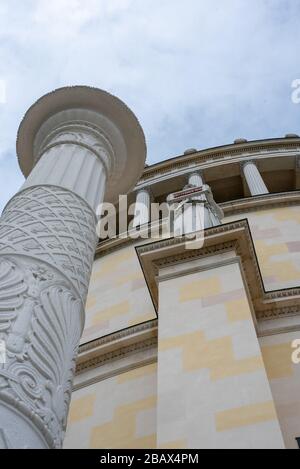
<point>55,226</point>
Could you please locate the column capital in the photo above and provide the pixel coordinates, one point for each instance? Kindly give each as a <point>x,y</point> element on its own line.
<point>195,178</point>
<point>90,118</point>
<point>196,171</point>
<point>146,189</point>
<point>142,210</point>
<point>246,162</point>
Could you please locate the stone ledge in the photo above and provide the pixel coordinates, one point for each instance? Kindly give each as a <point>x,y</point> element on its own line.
<point>240,206</point>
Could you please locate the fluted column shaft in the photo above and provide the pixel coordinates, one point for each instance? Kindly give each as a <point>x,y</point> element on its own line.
<point>190,216</point>
<point>142,207</point>
<point>254,179</point>
<point>196,179</point>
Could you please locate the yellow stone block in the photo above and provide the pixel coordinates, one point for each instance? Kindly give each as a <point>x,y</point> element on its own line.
<point>216,355</point>
<point>285,214</point>
<point>128,278</point>
<point>243,416</point>
<point>265,251</point>
<point>283,271</point>
<point>121,431</point>
<point>200,288</point>
<point>111,312</point>
<point>278,361</point>
<point>110,264</point>
<point>238,310</point>
<point>81,408</point>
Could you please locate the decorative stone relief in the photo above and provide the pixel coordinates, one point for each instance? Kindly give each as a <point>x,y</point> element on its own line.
<point>55,226</point>
<point>41,324</point>
<point>47,243</point>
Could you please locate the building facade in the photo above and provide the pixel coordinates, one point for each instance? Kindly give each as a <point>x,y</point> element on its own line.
<point>193,347</point>
<point>182,326</point>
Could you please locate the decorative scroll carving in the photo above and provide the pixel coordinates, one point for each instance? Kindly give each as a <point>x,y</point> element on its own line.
<point>47,243</point>
<point>41,326</point>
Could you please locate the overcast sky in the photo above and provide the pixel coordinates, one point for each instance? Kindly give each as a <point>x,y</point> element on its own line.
<point>197,73</point>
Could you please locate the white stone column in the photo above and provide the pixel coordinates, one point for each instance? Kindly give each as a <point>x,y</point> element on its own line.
<point>196,179</point>
<point>190,216</point>
<point>254,179</point>
<point>74,145</point>
<point>142,207</point>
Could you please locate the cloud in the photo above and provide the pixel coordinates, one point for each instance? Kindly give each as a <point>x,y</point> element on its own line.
<point>196,73</point>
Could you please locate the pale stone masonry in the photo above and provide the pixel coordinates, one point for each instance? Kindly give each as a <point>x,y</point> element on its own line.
<point>179,348</point>
<point>142,208</point>
<point>193,347</point>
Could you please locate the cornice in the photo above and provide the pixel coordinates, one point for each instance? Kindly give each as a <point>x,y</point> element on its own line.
<point>117,346</point>
<point>276,308</point>
<point>231,236</point>
<point>235,207</point>
<point>220,153</point>
<point>132,347</point>
<point>124,363</point>
<point>119,335</point>
<point>116,354</point>
<point>261,202</point>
